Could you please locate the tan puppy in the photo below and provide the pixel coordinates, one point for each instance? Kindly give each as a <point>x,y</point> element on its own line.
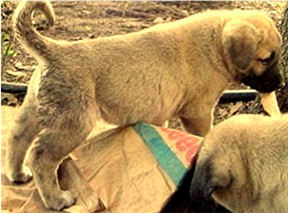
<point>174,69</point>
<point>243,163</point>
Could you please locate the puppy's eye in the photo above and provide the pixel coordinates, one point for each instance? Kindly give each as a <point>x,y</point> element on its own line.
<point>268,60</point>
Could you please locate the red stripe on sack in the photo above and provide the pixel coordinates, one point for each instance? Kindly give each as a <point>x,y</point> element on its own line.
<point>184,142</point>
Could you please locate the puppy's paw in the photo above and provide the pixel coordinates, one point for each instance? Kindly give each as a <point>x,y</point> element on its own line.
<point>21,176</point>
<point>62,200</point>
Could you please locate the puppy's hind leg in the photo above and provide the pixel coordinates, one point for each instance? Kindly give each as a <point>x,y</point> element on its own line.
<point>21,136</point>
<point>53,144</point>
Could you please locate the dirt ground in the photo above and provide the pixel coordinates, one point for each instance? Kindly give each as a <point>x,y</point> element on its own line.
<point>92,19</point>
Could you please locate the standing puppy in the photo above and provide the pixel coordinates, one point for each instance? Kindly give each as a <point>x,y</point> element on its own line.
<point>243,163</point>
<point>174,69</point>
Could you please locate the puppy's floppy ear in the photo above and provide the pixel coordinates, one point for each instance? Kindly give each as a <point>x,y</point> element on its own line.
<point>239,40</point>
<point>209,177</point>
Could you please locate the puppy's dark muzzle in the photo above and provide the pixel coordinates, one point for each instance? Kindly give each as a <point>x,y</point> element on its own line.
<point>267,82</point>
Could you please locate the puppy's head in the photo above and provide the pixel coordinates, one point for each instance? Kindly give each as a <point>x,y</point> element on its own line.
<point>252,44</point>
<point>242,164</point>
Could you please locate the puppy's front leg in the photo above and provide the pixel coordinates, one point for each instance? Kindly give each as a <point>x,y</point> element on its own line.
<point>198,123</point>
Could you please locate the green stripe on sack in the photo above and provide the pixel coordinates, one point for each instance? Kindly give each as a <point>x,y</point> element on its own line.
<point>168,161</point>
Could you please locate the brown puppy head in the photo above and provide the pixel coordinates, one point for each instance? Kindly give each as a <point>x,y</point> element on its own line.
<point>253,45</point>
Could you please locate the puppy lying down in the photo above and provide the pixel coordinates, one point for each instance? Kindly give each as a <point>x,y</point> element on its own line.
<point>243,164</point>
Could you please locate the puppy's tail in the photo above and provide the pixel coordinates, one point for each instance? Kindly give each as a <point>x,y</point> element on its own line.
<point>36,44</point>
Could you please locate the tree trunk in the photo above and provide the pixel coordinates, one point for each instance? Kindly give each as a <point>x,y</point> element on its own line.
<point>283,94</point>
